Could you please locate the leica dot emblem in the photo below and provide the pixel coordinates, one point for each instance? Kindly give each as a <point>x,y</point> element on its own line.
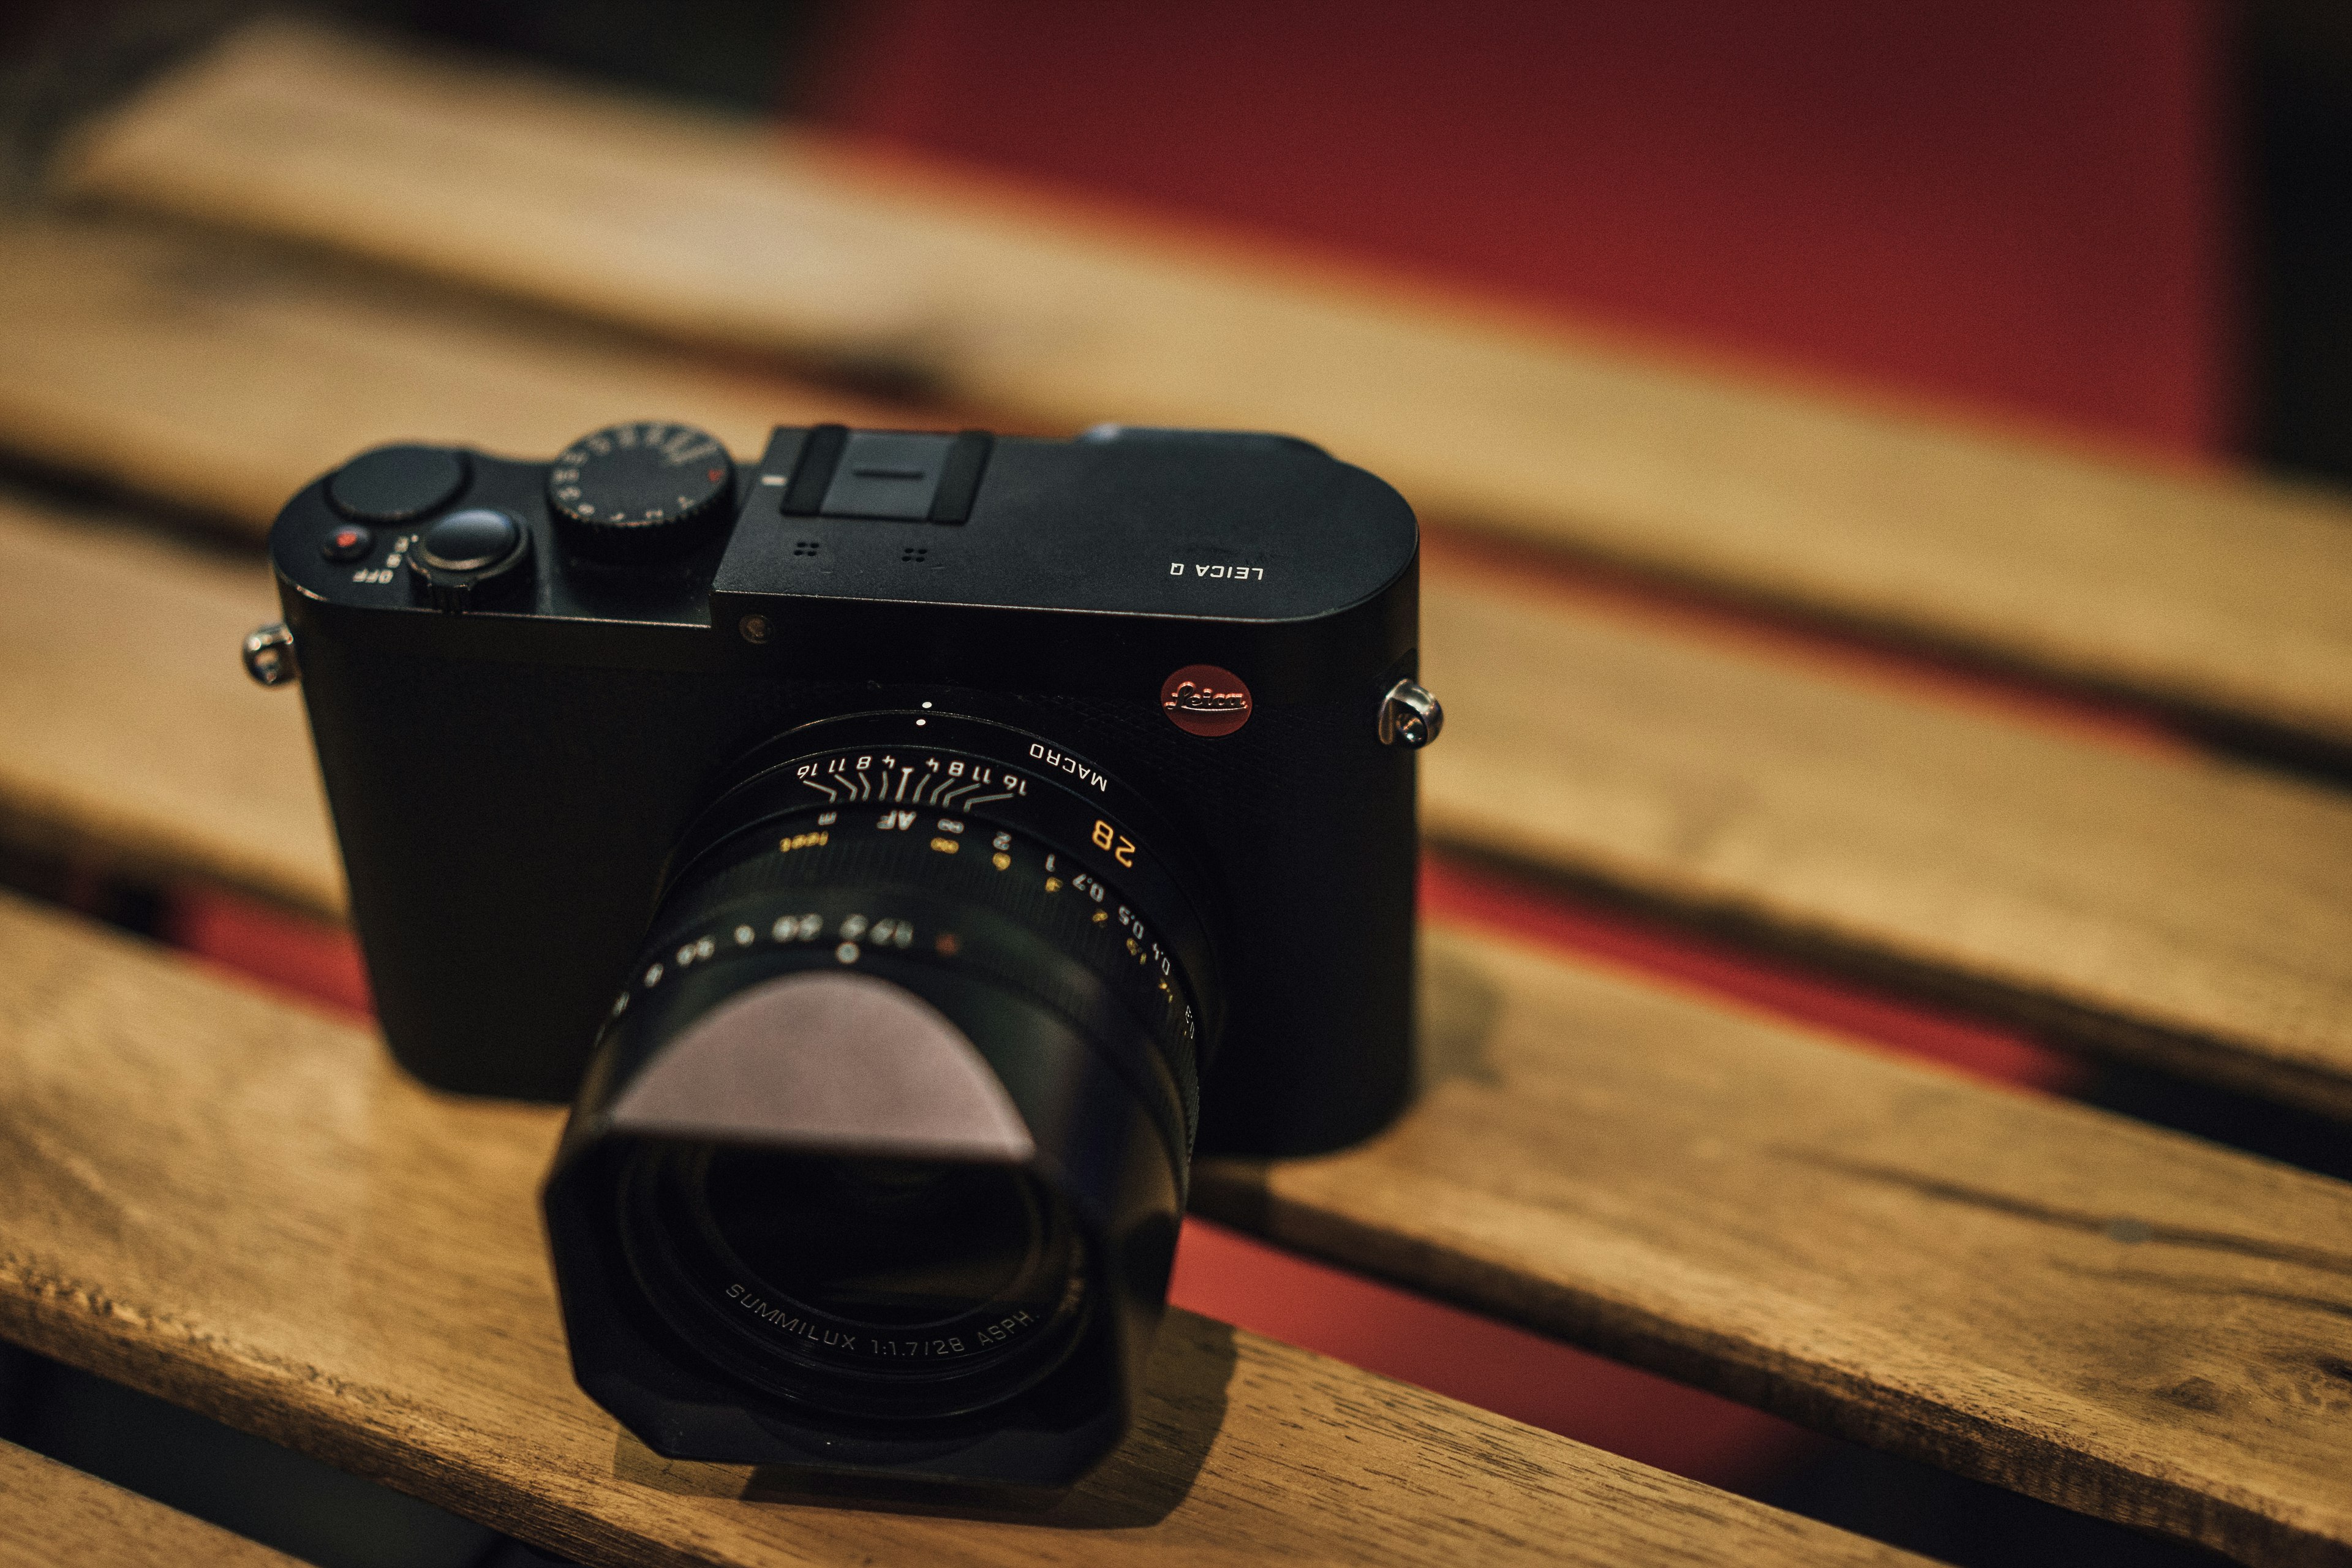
<point>1201,699</point>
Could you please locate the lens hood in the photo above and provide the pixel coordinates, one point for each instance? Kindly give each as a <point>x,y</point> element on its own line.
<point>791,1050</point>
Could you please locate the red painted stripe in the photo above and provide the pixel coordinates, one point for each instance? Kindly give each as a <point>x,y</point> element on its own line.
<point>1483,1362</point>
<point>1453,891</point>
<point>2017,209</point>
<point>308,957</point>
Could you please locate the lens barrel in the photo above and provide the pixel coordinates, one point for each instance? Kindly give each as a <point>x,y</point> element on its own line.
<point>880,1164</point>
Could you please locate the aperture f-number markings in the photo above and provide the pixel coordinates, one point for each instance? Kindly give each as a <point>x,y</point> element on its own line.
<point>951,1346</point>
<point>938,800</point>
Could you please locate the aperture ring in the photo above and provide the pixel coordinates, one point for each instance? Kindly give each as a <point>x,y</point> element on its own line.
<point>893,928</point>
<point>860,874</point>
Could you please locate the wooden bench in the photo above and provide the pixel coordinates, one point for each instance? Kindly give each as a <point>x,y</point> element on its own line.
<point>51,1513</point>
<point>2130,1322</point>
<point>247,1209</point>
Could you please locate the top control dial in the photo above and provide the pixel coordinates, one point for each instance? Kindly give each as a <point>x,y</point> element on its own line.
<point>647,486</point>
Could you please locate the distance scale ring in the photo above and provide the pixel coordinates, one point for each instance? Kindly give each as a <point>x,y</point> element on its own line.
<point>1069,805</point>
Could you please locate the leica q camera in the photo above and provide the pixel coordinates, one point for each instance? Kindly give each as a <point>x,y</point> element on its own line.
<point>906,853</point>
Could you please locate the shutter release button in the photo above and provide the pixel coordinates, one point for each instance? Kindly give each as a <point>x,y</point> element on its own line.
<point>468,555</point>
<point>470,540</point>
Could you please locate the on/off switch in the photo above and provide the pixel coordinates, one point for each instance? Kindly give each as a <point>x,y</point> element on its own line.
<point>349,542</point>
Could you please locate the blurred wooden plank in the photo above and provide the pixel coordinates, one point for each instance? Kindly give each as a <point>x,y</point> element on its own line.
<point>1921,1263</point>
<point>2177,909</point>
<point>2220,596</point>
<point>52,1513</point>
<point>246,1209</point>
<point>124,739</point>
<point>2171,909</point>
<point>219,380</point>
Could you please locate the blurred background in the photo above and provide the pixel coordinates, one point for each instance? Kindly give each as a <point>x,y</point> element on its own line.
<point>2123,217</point>
<point>2123,224</point>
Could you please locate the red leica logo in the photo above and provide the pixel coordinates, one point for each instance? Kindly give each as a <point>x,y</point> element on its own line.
<point>1201,699</point>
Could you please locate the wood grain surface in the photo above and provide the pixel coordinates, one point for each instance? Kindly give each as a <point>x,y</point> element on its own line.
<point>1928,1265</point>
<point>124,738</point>
<point>2219,595</point>
<point>2125,1320</point>
<point>2173,909</point>
<point>246,1210</point>
<point>219,379</point>
<point>52,1515</point>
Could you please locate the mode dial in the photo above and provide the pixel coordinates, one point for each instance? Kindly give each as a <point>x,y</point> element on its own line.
<point>641,488</point>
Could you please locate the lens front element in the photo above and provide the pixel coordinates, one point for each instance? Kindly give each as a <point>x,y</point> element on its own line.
<point>872,1288</point>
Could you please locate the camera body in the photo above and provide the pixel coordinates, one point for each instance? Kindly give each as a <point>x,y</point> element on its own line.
<point>540,691</point>
<point>509,783</point>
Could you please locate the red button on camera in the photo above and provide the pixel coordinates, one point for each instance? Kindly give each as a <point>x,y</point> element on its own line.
<point>349,542</point>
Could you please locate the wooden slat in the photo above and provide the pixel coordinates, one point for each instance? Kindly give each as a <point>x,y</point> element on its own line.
<point>52,1514</point>
<point>1935,1267</point>
<point>2219,595</point>
<point>122,727</point>
<point>149,364</point>
<point>2177,909</point>
<point>2169,909</point>
<point>248,1210</point>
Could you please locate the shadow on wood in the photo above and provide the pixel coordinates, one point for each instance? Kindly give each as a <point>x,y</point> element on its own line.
<point>1143,1482</point>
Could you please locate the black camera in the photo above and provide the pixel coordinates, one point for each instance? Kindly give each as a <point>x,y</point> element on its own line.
<point>905,853</point>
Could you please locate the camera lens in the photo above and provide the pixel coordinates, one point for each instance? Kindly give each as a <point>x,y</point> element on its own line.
<point>868,1287</point>
<point>890,1127</point>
